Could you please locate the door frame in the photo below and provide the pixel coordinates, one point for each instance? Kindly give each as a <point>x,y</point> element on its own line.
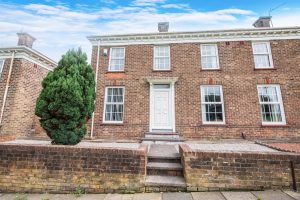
<point>162,80</point>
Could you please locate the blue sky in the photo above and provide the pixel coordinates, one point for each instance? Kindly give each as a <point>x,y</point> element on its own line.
<point>61,25</point>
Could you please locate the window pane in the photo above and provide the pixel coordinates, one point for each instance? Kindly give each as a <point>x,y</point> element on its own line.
<point>260,48</point>
<point>209,50</point>
<point>271,113</point>
<point>262,61</point>
<point>209,62</point>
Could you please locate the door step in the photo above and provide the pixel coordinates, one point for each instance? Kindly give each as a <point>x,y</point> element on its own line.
<point>162,137</point>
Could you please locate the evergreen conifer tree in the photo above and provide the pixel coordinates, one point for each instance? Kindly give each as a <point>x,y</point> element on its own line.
<point>66,101</point>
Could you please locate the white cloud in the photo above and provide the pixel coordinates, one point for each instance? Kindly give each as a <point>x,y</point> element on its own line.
<point>147,2</point>
<point>58,28</point>
<point>176,6</point>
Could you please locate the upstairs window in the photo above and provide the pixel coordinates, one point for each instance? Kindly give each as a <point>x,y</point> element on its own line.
<point>209,56</point>
<point>114,105</point>
<point>161,58</point>
<point>1,65</point>
<point>117,59</point>
<point>212,104</point>
<point>271,104</point>
<point>262,55</point>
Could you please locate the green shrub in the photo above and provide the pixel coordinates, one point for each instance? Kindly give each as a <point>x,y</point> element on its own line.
<point>66,101</point>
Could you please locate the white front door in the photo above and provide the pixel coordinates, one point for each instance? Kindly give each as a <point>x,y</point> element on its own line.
<point>161,108</point>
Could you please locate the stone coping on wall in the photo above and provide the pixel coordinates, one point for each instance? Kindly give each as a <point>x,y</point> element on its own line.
<point>197,149</point>
<point>82,144</point>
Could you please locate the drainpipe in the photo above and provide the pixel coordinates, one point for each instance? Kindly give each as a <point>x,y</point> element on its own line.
<point>7,85</point>
<point>96,80</point>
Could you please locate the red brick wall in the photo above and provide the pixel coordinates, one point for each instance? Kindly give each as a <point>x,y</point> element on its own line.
<point>25,86</point>
<point>61,169</point>
<point>237,76</point>
<point>204,170</point>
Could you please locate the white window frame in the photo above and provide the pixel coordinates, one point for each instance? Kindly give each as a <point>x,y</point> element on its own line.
<point>269,54</point>
<point>105,102</point>
<point>154,49</point>
<point>203,103</point>
<point>217,56</point>
<point>110,58</point>
<point>280,102</point>
<point>2,61</point>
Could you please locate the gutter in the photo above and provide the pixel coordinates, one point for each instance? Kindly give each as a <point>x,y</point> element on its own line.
<point>96,80</point>
<point>7,86</point>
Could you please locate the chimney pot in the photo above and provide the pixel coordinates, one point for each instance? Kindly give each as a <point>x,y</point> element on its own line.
<point>263,22</point>
<point>25,40</point>
<point>163,26</point>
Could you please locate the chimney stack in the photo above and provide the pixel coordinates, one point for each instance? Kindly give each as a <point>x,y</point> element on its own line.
<point>163,27</point>
<point>263,22</point>
<point>25,40</point>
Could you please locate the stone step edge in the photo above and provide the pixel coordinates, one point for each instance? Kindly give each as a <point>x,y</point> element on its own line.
<point>160,133</point>
<point>164,139</point>
<point>162,166</point>
<point>169,183</point>
<point>175,157</point>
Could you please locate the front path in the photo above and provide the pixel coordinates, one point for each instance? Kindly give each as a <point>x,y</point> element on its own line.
<point>255,195</point>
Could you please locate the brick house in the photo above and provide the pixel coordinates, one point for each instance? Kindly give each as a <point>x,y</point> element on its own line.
<point>205,84</point>
<point>22,70</point>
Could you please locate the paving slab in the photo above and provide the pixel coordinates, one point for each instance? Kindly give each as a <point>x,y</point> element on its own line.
<point>207,196</point>
<point>229,147</point>
<point>148,196</point>
<point>160,150</point>
<point>177,196</point>
<point>239,196</point>
<point>119,197</point>
<point>92,197</point>
<point>295,195</point>
<point>272,195</point>
<point>38,196</point>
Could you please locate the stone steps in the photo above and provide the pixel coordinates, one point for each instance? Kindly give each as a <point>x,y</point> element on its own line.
<point>164,169</point>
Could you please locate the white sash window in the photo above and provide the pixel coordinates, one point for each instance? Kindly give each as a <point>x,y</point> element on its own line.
<point>212,104</point>
<point>114,105</point>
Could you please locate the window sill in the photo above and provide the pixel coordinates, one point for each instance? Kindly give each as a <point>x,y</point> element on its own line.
<point>157,70</point>
<point>210,69</point>
<point>259,69</point>
<point>275,125</point>
<point>217,125</point>
<point>113,72</point>
<point>112,124</point>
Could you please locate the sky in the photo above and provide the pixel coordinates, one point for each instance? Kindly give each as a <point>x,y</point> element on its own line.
<point>61,25</point>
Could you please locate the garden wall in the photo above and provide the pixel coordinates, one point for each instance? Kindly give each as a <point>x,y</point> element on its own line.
<point>61,169</point>
<point>207,170</point>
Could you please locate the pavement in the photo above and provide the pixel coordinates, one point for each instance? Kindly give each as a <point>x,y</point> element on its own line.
<point>254,195</point>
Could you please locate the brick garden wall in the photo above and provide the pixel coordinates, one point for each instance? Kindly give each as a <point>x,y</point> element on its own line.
<point>237,76</point>
<point>240,171</point>
<point>61,169</point>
